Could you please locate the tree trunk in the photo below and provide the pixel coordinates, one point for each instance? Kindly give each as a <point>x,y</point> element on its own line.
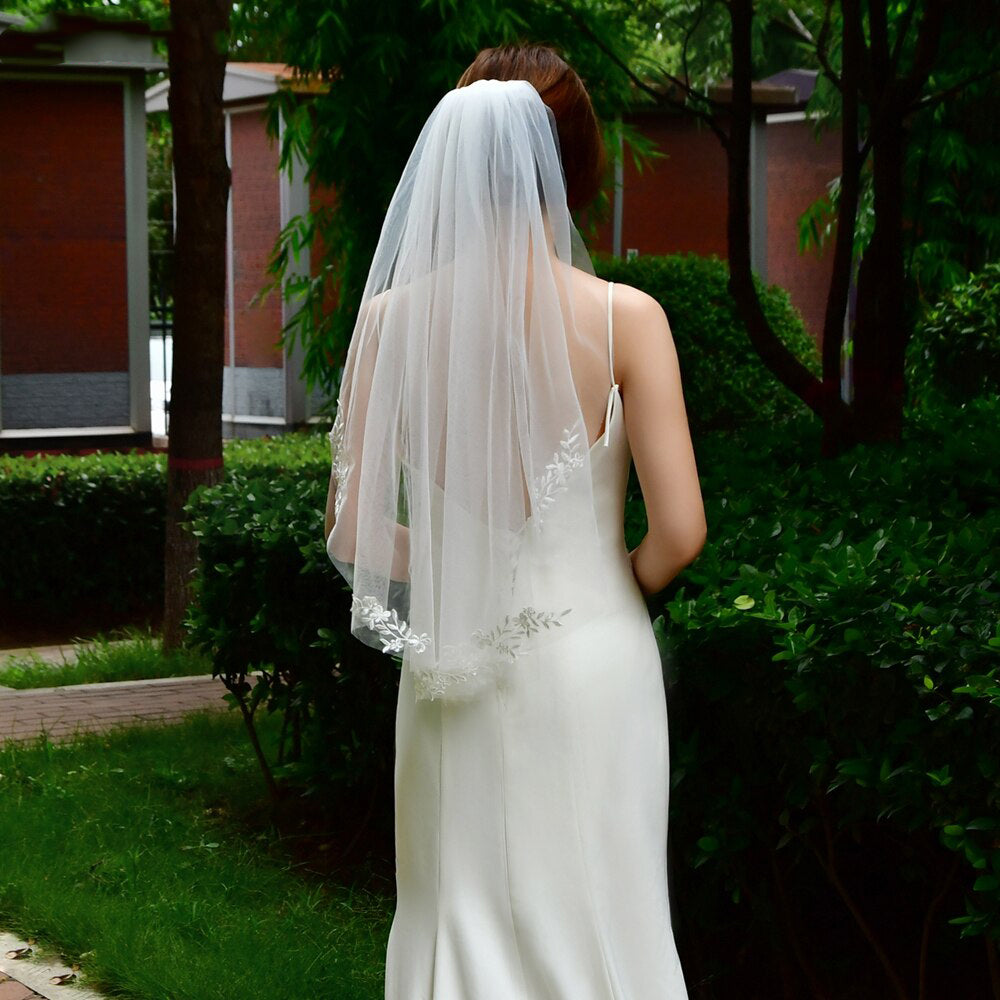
<point>882,327</point>
<point>197,59</point>
<point>838,432</point>
<point>772,350</point>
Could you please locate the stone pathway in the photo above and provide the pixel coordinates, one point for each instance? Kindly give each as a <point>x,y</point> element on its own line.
<point>62,711</point>
<point>26,973</point>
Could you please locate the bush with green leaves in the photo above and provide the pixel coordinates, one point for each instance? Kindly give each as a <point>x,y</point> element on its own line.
<point>726,385</point>
<point>87,530</point>
<point>81,529</point>
<point>955,348</point>
<point>836,706</point>
<point>268,600</point>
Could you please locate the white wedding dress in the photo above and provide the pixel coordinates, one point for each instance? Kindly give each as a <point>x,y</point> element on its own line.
<point>531,824</point>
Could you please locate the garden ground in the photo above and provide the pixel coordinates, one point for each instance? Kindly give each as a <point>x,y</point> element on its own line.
<point>162,875</point>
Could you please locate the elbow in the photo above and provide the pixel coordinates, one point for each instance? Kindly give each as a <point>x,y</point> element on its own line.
<point>680,548</point>
<point>695,543</point>
<point>680,555</point>
<point>661,557</point>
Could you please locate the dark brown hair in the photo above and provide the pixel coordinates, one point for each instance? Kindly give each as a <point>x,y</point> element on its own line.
<point>580,143</point>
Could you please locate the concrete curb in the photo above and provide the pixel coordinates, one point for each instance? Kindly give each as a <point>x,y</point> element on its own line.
<point>35,972</point>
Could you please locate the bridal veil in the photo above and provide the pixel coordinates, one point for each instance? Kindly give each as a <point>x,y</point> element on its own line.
<point>460,452</point>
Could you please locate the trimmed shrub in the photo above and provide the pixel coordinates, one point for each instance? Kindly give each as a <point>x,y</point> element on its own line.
<point>87,530</point>
<point>81,529</point>
<point>726,386</point>
<point>955,348</point>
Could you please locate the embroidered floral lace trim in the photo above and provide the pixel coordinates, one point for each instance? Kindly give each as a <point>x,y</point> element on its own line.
<point>458,663</point>
<point>395,634</point>
<point>472,663</point>
<point>553,479</point>
<point>341,467</point>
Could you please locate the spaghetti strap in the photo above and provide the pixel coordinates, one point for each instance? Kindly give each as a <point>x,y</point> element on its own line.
<point>611,355</point>
<point>611,366</point>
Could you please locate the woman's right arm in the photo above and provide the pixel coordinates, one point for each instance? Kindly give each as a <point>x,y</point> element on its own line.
<point>659,438</point>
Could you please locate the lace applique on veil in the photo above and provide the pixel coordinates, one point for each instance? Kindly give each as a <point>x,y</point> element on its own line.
<point>475,662</point>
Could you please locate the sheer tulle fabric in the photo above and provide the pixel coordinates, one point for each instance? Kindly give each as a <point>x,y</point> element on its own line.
<point>459,441</point>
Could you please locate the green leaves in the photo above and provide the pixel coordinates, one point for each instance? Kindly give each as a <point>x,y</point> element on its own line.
<point>726,386</point>
<point>845,668</point>
<point>86,531</point>
<point>267,597</point>
<point>384,67</point>
<point>955,349</point>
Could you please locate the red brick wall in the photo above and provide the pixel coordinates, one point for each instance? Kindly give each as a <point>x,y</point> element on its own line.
<point>677,203</point>
<point>798,171</point>
<point>256,224</point>
<point>63,304</point>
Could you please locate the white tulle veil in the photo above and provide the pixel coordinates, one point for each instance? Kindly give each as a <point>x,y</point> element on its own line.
<point>460,451</point>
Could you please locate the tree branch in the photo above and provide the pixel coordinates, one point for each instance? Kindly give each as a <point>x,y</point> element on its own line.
<point>897,96</point>
<point>795,27</point>
<point>772,351</point>
<point>818,991</point>
<point>881,57</point>
<point>658,96</point>
<point>925,934</point>
<point>843,254</point>
<point>829,866</point>
<point>821,51</point>
<point>928,38</point>
<point>942,95</point>
<point>688,34</point>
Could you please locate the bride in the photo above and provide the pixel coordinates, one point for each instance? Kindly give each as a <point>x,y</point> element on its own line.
<point>494,395</point>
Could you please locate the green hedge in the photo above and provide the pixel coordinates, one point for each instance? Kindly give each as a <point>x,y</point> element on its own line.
<point>955,349</point>
<point>268,599</point>
<point>88,530</point>
<point>81,529</point>
<point>726,386</point>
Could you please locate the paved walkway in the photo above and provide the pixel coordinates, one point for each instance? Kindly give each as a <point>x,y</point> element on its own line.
<point>27,973</point>
<point>61,711</point>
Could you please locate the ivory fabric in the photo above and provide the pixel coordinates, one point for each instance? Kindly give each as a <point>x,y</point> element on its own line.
<point>531,822</point>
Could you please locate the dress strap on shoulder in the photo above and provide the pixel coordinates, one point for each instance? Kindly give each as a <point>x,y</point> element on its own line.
<point>611,367</point>
<point>611,355</point>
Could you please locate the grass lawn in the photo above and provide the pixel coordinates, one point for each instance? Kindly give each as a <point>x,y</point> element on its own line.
<point>134,656</point>
<point>130,852</point>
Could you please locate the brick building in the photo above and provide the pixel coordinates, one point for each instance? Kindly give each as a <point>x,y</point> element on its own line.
<point>678,204</point>
<point>262,389</point>
<point>74,321</point>
<point>675,204</point>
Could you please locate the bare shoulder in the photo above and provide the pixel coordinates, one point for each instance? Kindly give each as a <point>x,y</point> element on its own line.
<point>632,306</point>
<point>635,308</point>
<point>642,331</point>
